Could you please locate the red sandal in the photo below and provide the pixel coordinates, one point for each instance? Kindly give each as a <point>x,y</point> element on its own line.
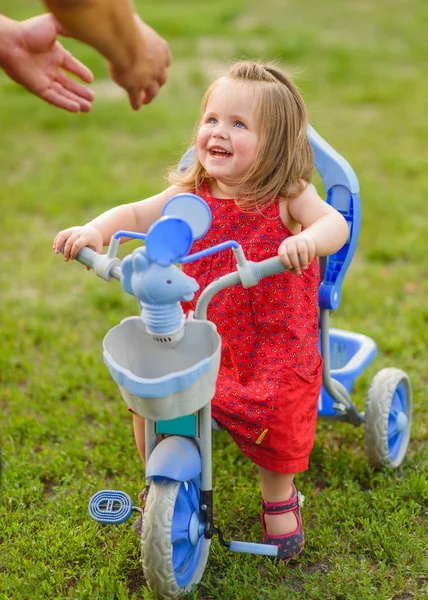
<point>291,544</point>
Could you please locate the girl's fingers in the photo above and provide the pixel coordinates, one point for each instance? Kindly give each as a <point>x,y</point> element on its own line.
<point>55,244</point>
<point>283,255</point>
<point>59,240</point>
<point>290,257</point>
<point>98,247</point>
<point>294,259</point>
<point>297,254</point>
<point>71,241</point>
<point>77,246</point>
<point>303,255</point>
<point>69,245</point>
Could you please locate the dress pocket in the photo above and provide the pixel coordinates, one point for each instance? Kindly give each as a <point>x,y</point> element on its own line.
<point>296,411</point>
<point>244,410</point>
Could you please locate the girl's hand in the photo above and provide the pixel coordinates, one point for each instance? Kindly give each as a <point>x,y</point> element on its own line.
<point>297,252</point>
<point>76,238</point>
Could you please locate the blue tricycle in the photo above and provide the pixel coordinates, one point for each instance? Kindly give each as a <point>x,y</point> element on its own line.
<point>166,367</point>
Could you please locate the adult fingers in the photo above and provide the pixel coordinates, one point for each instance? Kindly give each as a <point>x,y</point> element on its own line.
<point>71,64</point>
<point>58,87</point>
<point>59,28</point>
<point>136,98</point>
<point>58,99</point>
<point>84,105</point>
<point>75,87</point>
<point>163,78</point>
<point>152,91</point>
<point>168,56</point>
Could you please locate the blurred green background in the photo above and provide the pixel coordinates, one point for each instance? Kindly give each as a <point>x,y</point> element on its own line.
<point>361,67</point>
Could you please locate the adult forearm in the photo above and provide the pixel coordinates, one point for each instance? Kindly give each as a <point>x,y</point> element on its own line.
<point>106,25</point>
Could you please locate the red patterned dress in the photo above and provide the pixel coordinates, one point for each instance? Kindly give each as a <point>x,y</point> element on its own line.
<point>270,374</point>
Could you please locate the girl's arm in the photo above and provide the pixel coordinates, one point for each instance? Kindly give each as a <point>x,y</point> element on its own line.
<point>137,216</point>
<point>324,231</point>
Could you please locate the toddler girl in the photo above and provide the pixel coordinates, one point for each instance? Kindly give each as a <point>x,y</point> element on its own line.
<point>253,166</point>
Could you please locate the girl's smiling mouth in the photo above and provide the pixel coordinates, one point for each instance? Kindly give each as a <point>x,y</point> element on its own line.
<point>218,152</point>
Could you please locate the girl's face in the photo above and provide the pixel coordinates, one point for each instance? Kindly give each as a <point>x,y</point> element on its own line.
<point>227,139</point>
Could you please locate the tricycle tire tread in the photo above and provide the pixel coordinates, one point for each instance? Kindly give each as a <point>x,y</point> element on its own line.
<point>378,407</point>
<point>156,539</point>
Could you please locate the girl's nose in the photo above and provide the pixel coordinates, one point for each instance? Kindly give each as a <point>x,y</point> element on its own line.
<point>219,131</point>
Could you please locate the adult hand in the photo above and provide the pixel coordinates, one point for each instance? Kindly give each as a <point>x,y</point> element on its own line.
<point>32,56</point>
<point>148,72</point>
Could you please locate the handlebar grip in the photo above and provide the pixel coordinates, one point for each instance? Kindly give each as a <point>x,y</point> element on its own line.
<point>88,257</point>
<point>267,267</point>
<point>105,266</point>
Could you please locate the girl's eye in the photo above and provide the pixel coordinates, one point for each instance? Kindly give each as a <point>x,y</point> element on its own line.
<point>212,120</point>
<point>239,124</point>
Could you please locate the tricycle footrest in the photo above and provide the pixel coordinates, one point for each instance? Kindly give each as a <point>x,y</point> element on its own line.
<point>110,506</point>
<point>252,548</point>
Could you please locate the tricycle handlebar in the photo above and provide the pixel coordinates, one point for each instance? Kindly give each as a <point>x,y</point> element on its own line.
<point>104,266</point>
<point>249,273</point>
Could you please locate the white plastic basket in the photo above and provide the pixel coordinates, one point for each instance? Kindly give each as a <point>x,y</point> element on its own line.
<point>159,382</point>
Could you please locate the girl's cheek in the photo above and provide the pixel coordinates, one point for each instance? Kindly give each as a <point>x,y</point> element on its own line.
<point>202,138</point>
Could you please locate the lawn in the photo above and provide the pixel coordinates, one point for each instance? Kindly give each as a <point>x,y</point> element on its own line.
<point>65,431</point>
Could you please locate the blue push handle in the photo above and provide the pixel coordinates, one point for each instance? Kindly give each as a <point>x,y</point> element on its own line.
<point>341,186</point>
<point>250,548</point>
<point>110,507</point>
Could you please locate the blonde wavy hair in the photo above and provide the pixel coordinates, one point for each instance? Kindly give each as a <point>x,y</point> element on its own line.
<point>284,159</point>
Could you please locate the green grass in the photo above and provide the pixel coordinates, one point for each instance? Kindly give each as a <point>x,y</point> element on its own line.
<point>65,431</point>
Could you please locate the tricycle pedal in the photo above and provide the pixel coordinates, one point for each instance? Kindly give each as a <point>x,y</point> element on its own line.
<point>111,507</point>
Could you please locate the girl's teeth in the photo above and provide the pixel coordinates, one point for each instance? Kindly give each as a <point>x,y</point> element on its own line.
<point>222,152</point>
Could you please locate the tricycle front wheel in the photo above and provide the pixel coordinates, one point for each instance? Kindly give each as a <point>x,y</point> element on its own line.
<point>388,418</point>
<point>174,550</point>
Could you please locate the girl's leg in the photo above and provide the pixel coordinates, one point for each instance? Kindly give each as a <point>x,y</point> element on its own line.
<point>140,440</point>
<point>276,487</point>
<point>140,436</point>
